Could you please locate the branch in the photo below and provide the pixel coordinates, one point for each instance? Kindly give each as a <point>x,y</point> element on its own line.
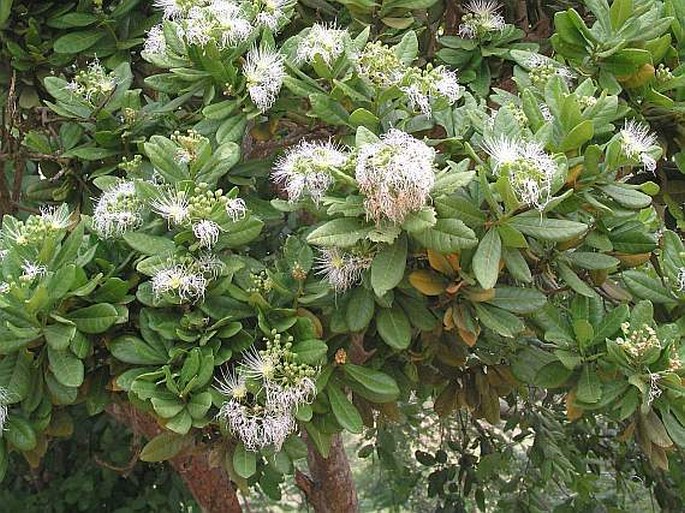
<point>210,486</point>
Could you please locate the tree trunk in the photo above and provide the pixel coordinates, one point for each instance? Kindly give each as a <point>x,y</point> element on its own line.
<point>210,486</point>
<point>329,488</point>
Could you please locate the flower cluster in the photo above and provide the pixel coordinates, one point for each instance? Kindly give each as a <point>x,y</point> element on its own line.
<point>32,232</point>
<point>264,72</point>
<point>636,142</point>
<point>681,279</point>
<point>529,168</point>
<point>117,211</point>
<point>273,14</point>
<point>542,69</point>
<point>305,169</point>
<point>396,175</point>
<point>155,43</point>
<point>189,145</point>
<point>225,23</point>
<point>342,269</point>
<point>325,41</point>
<point>185,281</point>
<point>263,393</point>
<point>481,19</point>
<point>380,65</point>
<point>93,84</point>
<point>199,210</point>
<point>425,87</point>
<point>636,343</point>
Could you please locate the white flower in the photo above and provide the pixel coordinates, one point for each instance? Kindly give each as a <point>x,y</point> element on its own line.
<point>197,26</point>
<point>4,401</point>
<point>4,287</point>
<point>341,269</point>
<point>291,395</point>
<point>481,19</point>
<point>172,205</point>
<point>395,175</point>
<point>55,218</point>
<point>271,14</point>
<point>426,87</point>
<point>172,8</point>
<point>31,271</point>
<point>209,265</point>
<point>179,280</point>
<point>232,385</point>
<point>232,26</point>
<point>636,141</point>
<point>117,211</point>
<point>207,233</point>
<point>681,279</point>
<point>259,365</point>
<point>529,168</point>
<point>236,208</point>
<point>264,73</point>
<point>257,427</point>
<point>326,41</point>
<point>155,43</point>
<point>304,170</point>
<point>447,84</point>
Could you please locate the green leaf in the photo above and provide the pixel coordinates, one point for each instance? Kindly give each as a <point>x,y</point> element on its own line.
<point>580,134</point>
<point>67,369</point>
<point>95,318</point>
<point>77,42</point>
<point>328,110</point>
<point>447,236</point>
<point>620,11</point>
<point>498,320</point>
<point>360,309</point>
<point>486,259</point>
<point>244,462</point>
<point>626,196</point>
<point>590,260</point>
<point>199,404</point>
<point>5,11</point>
<point>15,375</point>
<point>58,335</point>
<point>311,352</point>
<point>574,281</point>
<point>611,322</point>
<point>344,411</point>
<point>342,233</point>
<point>149,245</point>
<point>242,232</point>
<point>408,48</point>
<point>131,349</point>
<point>645,287</point>
<point>380,385</point>
<point>181,423</point>
<point>518,300</point>
<point>387,269</point>
<point>162,153</point>
<point>589,387</point>
<point>162,447</point>
<point>547,229</point>
<point>393,327</point>
<point>20,434</point>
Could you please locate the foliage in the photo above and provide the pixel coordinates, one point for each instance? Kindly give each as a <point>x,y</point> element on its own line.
<point>256,226</point>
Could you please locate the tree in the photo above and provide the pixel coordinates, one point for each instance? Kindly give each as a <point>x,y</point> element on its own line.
<point>244,229</point>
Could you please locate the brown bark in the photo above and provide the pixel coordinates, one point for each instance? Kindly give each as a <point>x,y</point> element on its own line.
<point>329,488</point>
<point>210,486</point>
